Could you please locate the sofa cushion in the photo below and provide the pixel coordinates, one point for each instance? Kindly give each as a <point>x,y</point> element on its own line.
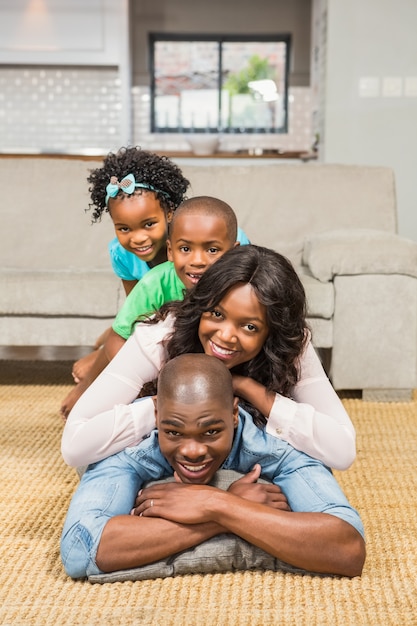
<point>57,292</point>
<point>359,251</point>
<point>320,295</point>
<point>279,204</point>
<point>46,330</point>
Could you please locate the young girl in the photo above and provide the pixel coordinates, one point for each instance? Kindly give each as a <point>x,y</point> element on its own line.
<point>248,310</point>
<point>140,190</point>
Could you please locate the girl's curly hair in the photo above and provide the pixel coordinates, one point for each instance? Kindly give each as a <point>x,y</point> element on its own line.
<point>146,167</point>
<point>277,287</point>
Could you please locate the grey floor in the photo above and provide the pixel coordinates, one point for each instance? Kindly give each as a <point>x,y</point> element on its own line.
<point>34,365</point>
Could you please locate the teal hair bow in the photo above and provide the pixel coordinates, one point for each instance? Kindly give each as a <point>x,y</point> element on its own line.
<point>128,185</point>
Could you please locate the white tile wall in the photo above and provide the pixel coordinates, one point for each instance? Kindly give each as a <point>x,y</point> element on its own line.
<point>78,110</point>
<point>299,136</point>
<point>65,109</point>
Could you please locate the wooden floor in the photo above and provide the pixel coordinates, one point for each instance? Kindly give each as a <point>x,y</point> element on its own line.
<point>43,353</point>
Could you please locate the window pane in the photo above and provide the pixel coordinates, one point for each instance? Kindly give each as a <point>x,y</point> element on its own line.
<point>254,75</point>
<point>186,85</point>
<point>219,85</point>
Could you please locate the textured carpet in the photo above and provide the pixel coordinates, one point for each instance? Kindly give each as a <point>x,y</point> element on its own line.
<point>36,487</point>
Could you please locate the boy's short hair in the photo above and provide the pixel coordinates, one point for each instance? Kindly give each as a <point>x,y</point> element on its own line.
<point>207,205</point>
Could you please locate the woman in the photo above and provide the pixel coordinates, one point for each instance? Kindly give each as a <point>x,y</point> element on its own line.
<point>248,310</point>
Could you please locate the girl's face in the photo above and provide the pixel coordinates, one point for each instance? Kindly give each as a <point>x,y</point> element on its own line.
<point>141,225</point>
<point>236,329</point>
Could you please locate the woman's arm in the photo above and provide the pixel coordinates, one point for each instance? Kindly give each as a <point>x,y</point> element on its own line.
<point>313,421</point>
<point>103,421</point>
<point>101,359</point>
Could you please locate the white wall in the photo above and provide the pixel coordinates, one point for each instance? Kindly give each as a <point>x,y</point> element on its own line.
<point>370,97</point>
<point>70,33</point>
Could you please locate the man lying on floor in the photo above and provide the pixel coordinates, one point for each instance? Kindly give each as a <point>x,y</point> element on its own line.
<point>301,517</point>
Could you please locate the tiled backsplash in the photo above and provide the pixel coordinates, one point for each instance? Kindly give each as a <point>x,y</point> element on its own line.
<point>299,137</point>
<point>78,110</point>
<point>59,109</point>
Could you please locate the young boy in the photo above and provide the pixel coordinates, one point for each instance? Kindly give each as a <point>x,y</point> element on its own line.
<point>200,430</point>
<point>202,229</point>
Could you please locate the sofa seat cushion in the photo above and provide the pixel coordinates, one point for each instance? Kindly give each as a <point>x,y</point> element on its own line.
<point>57,292</point>
<point>320,295</point>
<point>48,330</point>
<point>359,251</point>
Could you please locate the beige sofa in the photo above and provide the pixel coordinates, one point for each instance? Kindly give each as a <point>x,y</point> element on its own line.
<point>336,223</point>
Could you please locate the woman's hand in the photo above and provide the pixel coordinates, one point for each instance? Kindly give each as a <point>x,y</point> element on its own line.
<point>239,385</point>
<point>253,392</point>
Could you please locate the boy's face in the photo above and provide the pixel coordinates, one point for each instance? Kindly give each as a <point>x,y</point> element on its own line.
<point>195,243</point>
<point>141,225</point>
<point>196,438</point>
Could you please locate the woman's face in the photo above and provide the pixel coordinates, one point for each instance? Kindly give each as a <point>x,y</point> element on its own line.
<point>236,329</point>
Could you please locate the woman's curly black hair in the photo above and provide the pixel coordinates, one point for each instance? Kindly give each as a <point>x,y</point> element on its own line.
<point>277,287</point>
<point>146,167</point>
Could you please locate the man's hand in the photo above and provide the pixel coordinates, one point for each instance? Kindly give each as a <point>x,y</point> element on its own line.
<point>189,504</point>
<point>179,502</point>
<point>248,488</point>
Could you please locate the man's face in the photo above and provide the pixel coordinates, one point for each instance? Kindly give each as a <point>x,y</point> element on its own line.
<point>196,438</point>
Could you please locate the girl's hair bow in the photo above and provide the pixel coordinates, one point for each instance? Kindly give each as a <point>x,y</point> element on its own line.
<point>128,185</point>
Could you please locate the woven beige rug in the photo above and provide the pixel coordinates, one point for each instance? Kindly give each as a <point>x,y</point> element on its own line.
<point>36,487</point>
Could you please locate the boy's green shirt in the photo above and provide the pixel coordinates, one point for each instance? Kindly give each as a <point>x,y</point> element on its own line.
<point>157,287</point>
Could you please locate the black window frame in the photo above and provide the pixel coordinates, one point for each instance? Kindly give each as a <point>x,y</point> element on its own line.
<point>154,37</point>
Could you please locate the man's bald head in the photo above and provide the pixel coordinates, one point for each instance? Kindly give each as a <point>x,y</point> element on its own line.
<point>196,416</point>
<point>191,378</point>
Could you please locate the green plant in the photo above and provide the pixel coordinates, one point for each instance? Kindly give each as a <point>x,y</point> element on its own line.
<point>256,69</point>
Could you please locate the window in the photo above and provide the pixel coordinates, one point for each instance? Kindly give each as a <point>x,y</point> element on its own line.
<point>228,84</point>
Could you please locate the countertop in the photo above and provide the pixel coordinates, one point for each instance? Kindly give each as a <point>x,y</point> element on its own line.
<point>240,154</point>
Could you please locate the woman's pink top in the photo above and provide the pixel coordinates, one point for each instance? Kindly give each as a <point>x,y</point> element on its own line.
<point>105,420</point>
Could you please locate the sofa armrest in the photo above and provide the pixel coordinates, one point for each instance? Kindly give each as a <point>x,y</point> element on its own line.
<point>359,251</point>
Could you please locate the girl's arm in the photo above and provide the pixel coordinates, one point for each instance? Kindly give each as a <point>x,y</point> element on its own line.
<point>103,421</point>
<point>313,421</point>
